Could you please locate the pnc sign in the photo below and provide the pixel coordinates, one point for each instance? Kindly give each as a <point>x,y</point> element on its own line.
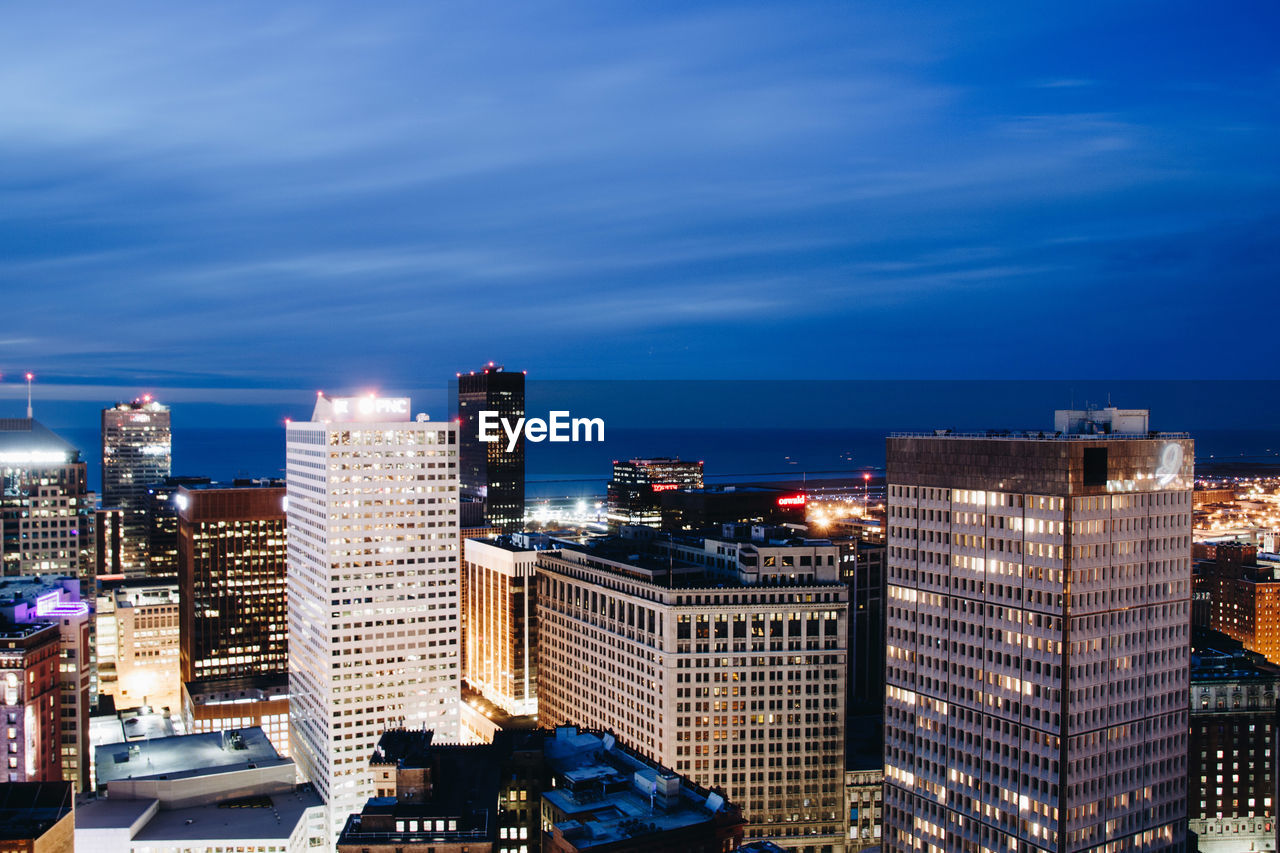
<point>371,408</point>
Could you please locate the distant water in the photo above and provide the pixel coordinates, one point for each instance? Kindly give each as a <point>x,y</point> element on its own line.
<point>581,470</point>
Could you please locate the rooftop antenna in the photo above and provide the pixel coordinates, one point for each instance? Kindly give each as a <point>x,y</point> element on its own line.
<point>29,378</point>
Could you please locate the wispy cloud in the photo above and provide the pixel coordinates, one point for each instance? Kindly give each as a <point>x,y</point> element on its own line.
<point>245,196</point>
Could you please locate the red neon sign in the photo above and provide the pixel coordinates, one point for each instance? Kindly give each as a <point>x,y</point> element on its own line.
<point>792,500</point>
<point>665,487</point>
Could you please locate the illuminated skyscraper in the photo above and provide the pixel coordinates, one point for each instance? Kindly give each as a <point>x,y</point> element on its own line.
<point>44,504</point>
<point>723,659</point>
<point>372,586</point>
<point>488,471</point>
<point>234,641</point>
<point>501,619</point>
<point>136,453</point>
<point>1037,646</point>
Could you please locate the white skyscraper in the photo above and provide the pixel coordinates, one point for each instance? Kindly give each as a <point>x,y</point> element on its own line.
<point>373,588</point>
<point>1037,644</point>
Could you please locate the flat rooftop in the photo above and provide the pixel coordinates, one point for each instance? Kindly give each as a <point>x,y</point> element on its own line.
<point>185,756</point>
<point>610,803</point>
<point>268,818</point>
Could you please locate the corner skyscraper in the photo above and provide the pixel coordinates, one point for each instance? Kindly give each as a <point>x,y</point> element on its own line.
<point>372,588</point>
<point>1037,648</point>
<point>44,503</point>
<point>489,473</point>
<point>136,453</point>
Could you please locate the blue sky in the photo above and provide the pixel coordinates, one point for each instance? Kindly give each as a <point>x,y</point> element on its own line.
<point>206,199</point>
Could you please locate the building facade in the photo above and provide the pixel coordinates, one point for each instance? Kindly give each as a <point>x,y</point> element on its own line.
<point>1232,800</point>
<point>137,635</point>
<point>488,472</point>
<point>634,494</point>
<point>501,622</point>
<point>219,704</point>
<point>1244,597</point>
<point>30,690</point>
<point>372,587</point>
<point>1038,641</point>
<point>231,579</point>
<point>45,599</point>
<point>136,453</point>
<point>162,518</point>
<point>722,659</point>
<point>44,500</point>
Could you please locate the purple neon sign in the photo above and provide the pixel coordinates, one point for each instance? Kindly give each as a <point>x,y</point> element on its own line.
<point>49,605</point>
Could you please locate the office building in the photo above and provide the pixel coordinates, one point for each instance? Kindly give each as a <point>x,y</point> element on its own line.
<point>723,658</point>
<point>634,492</point>
<point>488,472</point>
<point>162,520</point>
<point>1037,646</point>
<point>51,599</point>
<point>1233,774</point>
<point>248,701</point>
<point>372,587</point>
<point>30,688</point>
<point>231,577</point>
<point>228,792</point>
<point>501,622</point>
<point>37,817</point>
<point>44,500</point>
<point>137,636</point>
<point>1244,597</point>
<point>136,453</point>
<point>686,509</point>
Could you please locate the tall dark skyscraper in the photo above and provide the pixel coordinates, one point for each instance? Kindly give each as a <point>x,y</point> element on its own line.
<point>136,453</point>
<point>489,472</point>
<point>231,571</point>
<point>233,636</point>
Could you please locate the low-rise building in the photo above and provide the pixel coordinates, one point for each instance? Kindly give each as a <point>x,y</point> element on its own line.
<point>208,793</point>
<point>1232,763</point>
<point>564,790</point>
<point>37,817</point>
<point>1244,596</point>
<point>137,636</point>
